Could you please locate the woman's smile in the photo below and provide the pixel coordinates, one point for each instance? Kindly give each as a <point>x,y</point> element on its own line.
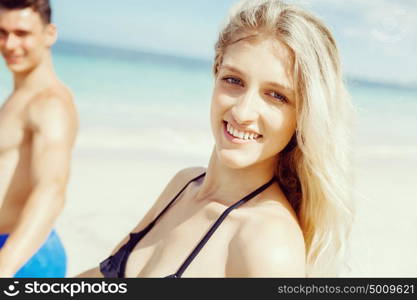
<point>237,136</point>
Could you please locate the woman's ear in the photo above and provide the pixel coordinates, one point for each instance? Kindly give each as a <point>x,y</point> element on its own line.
<point>51,34</point>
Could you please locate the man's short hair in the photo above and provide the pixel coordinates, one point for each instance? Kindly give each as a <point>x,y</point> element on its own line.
<point>42,7</point>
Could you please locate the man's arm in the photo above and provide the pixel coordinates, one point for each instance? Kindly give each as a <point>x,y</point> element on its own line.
<point>54,125</point>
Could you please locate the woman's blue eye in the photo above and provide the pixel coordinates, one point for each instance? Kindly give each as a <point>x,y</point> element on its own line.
<point>233,80</point>
<point>278,96</point>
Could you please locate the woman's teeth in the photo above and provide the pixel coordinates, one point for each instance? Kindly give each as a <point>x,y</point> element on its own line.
<point>241,134</point>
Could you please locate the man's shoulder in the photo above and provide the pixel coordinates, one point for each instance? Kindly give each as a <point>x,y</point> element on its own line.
<point>52,97</point>
<point>52,104</point>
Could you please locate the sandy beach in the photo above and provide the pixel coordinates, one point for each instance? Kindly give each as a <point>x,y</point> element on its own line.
<point>384,239</point>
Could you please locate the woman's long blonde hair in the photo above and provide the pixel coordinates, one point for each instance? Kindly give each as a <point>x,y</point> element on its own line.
<point>314,168</point>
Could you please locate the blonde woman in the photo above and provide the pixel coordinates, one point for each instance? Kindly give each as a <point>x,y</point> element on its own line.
<point>274,199</point>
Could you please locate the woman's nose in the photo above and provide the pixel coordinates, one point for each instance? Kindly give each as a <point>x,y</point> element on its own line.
<point>246,107</point>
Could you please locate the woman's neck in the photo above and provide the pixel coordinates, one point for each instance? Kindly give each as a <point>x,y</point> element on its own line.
<point>228,185</point>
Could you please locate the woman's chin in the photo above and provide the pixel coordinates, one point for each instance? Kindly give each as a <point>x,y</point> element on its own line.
<point>234,159</point>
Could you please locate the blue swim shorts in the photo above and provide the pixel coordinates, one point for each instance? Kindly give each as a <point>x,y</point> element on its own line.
<point>49,262</point>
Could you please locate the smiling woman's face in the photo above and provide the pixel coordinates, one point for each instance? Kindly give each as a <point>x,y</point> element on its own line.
<point>253,105</point>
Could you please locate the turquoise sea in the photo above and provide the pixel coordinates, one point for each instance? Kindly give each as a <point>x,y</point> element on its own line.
<point>150,102</point>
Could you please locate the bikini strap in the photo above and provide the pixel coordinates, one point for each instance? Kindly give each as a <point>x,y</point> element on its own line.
<point>135,237</point>
<point>173,200</point>
<point>213,228</point>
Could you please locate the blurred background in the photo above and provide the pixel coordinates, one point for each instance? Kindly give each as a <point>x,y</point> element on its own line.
<point>141,76</point>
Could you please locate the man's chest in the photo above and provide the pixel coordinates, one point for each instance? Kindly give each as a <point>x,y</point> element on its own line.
<point>12,126</point>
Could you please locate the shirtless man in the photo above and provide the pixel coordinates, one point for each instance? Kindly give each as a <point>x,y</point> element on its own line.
<point>38,126</point>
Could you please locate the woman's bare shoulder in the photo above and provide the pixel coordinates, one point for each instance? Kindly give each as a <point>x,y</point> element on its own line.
<point>185,175</point>
<point>268,243</point>
<point>178,181</point>
<point>175,184</point>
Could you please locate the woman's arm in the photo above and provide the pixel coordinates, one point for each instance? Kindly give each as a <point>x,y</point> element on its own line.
<point>92,273</point>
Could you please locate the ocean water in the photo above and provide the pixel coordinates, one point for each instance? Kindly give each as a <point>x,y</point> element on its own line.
<point>142,103</point>
<point>387,115</point>
<point>134,102</point>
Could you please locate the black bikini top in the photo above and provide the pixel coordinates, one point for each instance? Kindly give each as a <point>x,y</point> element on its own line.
<point>115,265</point>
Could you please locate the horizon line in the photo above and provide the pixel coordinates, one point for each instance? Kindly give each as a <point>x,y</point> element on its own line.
<point>130,53</point>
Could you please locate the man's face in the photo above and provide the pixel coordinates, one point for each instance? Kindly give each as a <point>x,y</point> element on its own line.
<point>24,38</point>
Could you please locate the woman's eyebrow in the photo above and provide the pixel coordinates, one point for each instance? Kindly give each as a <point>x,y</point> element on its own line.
<point>231,68</point>
<point>285,88</point>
